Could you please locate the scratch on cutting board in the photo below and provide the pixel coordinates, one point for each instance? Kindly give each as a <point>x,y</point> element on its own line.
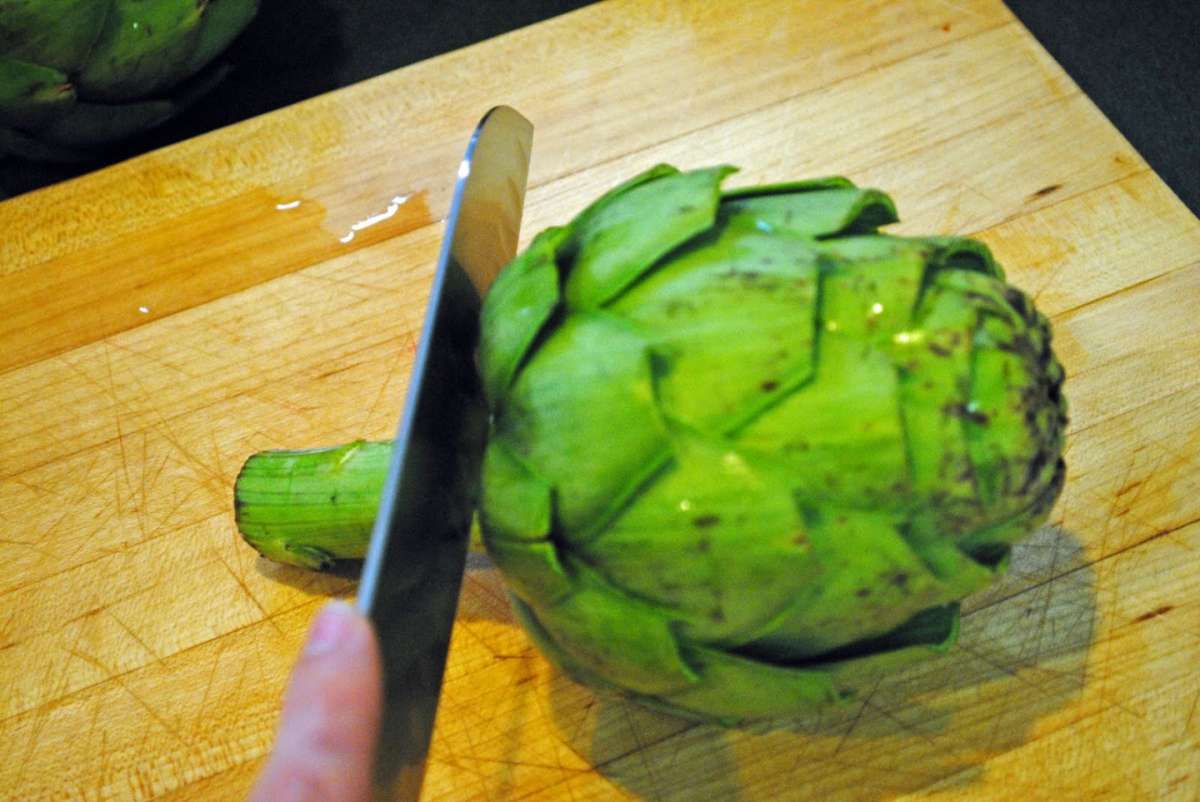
<point>46,555</point>
<point>116,410</point>
<point>148,355</point>
<point>117,678</point>
<point>202,468</point>
<point>39,724</point>
<point>408,342</point>
<point>373,290</point>
<point>43,534</point>
<point>241,581</point>
<point>157,657</point>
<point>857,718</point>
<point>221,646</point>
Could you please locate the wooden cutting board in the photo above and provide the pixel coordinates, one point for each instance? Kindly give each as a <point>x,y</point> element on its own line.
<point>165,318</point>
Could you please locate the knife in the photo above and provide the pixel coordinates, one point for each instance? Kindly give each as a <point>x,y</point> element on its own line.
<point>417,554</point>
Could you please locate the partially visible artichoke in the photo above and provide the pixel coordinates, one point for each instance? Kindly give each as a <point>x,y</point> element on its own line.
<point>746,453</point>
<point>77,75</point>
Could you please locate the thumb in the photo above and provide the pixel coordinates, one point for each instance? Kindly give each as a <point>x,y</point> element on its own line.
<point>326,741</point>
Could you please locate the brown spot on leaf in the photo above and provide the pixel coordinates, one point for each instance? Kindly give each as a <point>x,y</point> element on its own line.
<point>705,521</point>
<point>900,579</point>
<point>769,385</point>
<point>939,350</point>
<point>862,593</point>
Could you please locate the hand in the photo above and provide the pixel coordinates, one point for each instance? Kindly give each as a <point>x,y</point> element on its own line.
<point>325,746</point>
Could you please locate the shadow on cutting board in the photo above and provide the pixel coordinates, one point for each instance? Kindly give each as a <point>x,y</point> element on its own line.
<point>1021,656</point>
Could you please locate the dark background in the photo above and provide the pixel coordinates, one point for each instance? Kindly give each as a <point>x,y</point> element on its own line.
<point>1139,61</point>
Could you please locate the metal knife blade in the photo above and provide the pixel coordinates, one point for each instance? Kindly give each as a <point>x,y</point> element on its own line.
<point>415,561</point>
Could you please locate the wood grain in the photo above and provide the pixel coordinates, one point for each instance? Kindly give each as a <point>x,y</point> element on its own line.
<point>143,647</point>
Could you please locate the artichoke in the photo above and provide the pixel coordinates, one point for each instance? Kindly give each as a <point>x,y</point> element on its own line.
<point>746,452</point>
<point>77,75</point>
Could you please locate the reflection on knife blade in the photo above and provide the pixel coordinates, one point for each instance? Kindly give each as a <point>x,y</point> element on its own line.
<point>415,561</point>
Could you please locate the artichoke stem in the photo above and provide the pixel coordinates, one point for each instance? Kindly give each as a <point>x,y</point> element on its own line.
<point>312,507</point>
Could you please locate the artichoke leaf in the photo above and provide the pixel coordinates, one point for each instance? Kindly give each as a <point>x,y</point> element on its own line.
<point>929,634</point>
<point>840,437</point>
<point>814,212</point>
<point>31,94</point>
<point>619,239</point>
<point>732,688</point>
<point>60,34</point>
<point>515,504</point>
<point>953,254</point>
<point>731,321</point>
<point>533,570</point>
<point>517,306</point>
<point>143,49</point>
<point>618,637</point>
<point>869,581</point>
<point>223,21</point>
<point>709,526</point>
<point>589,383</point>
<point>934,359</point>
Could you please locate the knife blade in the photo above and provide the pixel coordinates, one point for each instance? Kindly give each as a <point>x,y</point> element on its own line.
<point>415,561</point>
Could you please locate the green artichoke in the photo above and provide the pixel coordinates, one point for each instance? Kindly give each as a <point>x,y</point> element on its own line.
<point>77,75</point>
<point>746,453</point>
